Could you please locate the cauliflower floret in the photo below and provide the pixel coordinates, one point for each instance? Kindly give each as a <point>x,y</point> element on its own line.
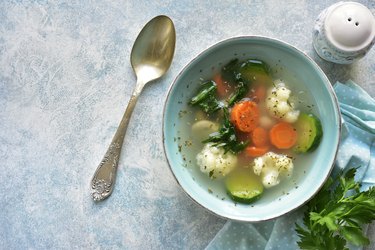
<point>272,167</point>
<point>215,162</point>
<point>270,178</point>
<point>279,104</point>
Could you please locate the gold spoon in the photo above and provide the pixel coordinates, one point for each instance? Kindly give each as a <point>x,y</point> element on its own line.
<point>150,58</point>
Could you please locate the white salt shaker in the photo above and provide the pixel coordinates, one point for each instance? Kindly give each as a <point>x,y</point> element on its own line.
<point>344,32</point>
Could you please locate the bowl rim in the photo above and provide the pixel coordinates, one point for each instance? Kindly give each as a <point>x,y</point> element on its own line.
<point>329,87</point>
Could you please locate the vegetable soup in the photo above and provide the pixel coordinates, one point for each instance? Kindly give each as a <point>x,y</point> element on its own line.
<point>248,130</point>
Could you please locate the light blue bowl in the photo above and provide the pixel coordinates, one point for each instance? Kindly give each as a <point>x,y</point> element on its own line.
<point>299,72</point>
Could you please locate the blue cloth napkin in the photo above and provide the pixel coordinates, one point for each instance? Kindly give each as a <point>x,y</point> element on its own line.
<point>357,148</point>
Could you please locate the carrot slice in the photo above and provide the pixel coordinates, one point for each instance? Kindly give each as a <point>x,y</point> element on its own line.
<point>283,135</point>
<point>245,116</point>
<point>259,137</point>
<point>254,151</point>
<point>223,88</point>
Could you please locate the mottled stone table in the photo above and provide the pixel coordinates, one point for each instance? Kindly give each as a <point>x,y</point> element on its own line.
<point>65,79</point>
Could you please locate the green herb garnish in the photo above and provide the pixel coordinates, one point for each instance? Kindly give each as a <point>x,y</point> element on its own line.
<point>226,136</point>
<point>240,91</point>
<point>335,216</point>
<point>206,98</point>
<point>231,73</point>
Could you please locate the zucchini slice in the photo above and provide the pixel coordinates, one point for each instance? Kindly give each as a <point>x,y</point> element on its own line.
<point>243,186</point>
<point>309,131</point>
<point>255,72</point>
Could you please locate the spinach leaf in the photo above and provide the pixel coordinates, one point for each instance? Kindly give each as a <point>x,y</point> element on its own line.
<point>240,91</point>
<point>231,73</point>
<point>226,136</point>
<point>206,99</point>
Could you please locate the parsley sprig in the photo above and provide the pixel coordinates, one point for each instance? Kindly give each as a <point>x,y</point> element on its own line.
<point>335,216</point>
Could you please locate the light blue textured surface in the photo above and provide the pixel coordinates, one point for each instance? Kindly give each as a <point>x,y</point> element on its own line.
<point>65,79</point>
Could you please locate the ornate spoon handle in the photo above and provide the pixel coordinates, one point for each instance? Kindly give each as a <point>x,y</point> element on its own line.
<point>105,175</point>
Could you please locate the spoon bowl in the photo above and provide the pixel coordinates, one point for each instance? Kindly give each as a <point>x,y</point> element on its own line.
<point>152,54</point>
<point>151,57</point>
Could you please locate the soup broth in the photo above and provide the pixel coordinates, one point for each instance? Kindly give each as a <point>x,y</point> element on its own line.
<point>191,140</point>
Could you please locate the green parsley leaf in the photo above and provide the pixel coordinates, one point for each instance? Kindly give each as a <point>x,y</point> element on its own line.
<point>335,216</point>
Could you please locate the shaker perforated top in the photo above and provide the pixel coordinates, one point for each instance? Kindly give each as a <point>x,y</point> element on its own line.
<point>350,26</point>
